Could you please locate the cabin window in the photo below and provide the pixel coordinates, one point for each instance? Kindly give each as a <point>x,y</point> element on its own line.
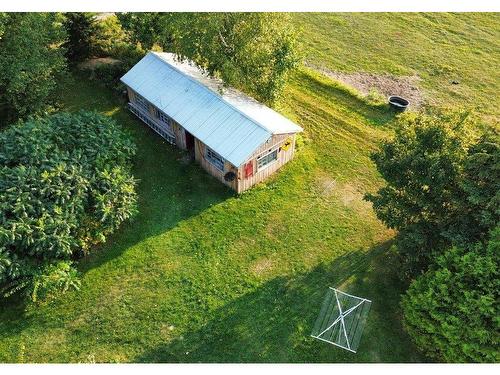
<point>215,159</point>
<point>266,159</point>
<point>163,118</point>
<point>141,102</point>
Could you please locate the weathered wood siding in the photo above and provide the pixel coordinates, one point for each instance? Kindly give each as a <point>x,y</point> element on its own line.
<point>200,152</point>
<point>284,156</point>
<point>131,94</point>
<point>240,183</point>
<point>180,136</point>
<point>178,130</point>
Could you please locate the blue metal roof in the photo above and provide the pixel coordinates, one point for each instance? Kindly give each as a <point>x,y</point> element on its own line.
<point>231,123</point>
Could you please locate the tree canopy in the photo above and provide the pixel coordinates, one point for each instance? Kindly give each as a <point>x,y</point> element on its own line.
<point>81,29</point>
<point>32,62</point>
<point>254,52</point>
<point>442,185</point>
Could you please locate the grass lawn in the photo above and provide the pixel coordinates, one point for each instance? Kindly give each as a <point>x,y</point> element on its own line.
<point>204,275</point>
<point>437,47</point>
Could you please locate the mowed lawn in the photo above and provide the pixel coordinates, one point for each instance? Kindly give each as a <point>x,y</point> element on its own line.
<point>439,48</point>
<point>204,275</point>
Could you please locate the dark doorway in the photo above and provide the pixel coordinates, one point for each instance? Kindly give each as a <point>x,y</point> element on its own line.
<point>189,141</point>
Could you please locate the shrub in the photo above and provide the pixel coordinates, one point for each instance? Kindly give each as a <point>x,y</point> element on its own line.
<point>38,283</point>
<point>65,184</point>
<point>109,74</point>
<point>108,35</point>
<point>452,311</point>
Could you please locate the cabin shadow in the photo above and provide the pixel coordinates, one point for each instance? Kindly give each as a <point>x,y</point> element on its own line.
<point>273,323</point>
<point>170,187</point>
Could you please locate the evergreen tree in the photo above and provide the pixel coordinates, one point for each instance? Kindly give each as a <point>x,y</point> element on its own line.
<point>452,311</point>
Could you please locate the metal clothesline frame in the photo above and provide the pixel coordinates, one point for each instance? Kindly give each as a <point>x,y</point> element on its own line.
<point>340,318</point>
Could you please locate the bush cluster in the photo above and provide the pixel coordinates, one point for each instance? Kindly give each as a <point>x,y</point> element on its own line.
<point>452,311</point>
<point>65,184</point>
<point>443,197</point>
<point>110,74</point>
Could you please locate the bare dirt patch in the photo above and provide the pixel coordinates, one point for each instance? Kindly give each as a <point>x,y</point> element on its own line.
<point>385,84</point>
<point>261,266</point>
<point>93,63</point>
<point>348,194</point>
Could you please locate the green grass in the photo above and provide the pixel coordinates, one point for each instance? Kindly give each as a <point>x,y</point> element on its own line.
<point>204,275</point>
<point>438,47</point>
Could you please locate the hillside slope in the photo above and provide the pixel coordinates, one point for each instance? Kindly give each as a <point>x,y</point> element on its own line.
<point>439,48</point>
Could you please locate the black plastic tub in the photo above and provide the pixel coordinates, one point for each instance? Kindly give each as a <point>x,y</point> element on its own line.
<point>398,103</point>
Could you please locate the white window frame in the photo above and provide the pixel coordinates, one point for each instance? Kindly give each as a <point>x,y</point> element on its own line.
<point>265,155</point>
<point>214,158</point>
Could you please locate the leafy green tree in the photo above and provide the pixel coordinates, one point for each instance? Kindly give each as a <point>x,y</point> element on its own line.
<point>452,310</point>
<point>32,63</point>
<point>81,29</point>
<point>65,184</point>
<point>109,36</point>
<point>143,28</point>
<point>252,51</point>
<point>423,168</point>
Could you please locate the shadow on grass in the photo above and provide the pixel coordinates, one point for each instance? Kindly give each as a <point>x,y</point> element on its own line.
<point>273,323</point>
<point>339,94</point>
<point>169,189</point>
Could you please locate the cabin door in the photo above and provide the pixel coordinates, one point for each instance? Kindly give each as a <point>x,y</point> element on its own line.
<point>189,142</point>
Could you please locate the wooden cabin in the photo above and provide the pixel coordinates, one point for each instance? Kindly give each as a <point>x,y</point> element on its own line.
<point>235,138</point>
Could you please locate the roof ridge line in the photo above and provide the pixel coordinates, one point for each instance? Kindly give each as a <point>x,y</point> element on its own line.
<point>213,93</point>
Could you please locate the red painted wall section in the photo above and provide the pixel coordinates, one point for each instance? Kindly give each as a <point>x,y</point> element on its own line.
<point>249,169</point>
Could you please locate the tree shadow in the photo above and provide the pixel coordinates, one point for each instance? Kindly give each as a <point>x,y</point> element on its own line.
<point>273,323</point>
<point>378,115</point>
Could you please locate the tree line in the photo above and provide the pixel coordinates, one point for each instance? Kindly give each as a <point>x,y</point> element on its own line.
<point>254,52</point>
